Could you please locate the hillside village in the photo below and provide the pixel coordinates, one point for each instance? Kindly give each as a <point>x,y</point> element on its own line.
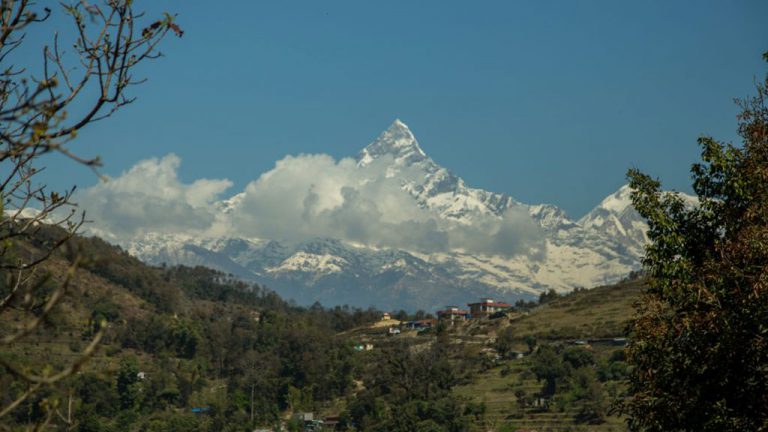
<point>506,342</point>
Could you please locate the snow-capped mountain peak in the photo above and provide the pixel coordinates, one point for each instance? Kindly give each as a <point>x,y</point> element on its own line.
<point>618,202</point>
<point>616,218</point>
<point>556,252</point>
<point>396,141</point>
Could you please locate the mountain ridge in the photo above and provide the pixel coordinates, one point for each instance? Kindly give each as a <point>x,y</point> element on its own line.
<point>532,247</point>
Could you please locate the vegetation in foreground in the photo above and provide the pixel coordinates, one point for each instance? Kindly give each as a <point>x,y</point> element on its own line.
<point>700,343</point>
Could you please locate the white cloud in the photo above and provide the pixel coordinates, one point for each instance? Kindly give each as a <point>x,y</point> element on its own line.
<point>150,198</point>
<point>514,233</point>
<point>302,197</point>
<point>314,196</point>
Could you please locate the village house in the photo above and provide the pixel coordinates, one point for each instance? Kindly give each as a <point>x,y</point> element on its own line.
<point>452,313</point>
<point>307,421</point>
<point>304,416</point>
<point>421,324</point>
<point>331,422</point>
<point>386,316</point>
<point>486,307</point>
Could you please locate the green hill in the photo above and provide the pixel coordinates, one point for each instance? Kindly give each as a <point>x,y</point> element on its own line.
<point>558,331</point>
<point>175,339</point>
<point>244,357</point>
<point>594,313</point>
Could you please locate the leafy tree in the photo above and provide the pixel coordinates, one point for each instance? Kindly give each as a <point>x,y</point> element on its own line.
<point>96,395</point>
<point>127,383</point>
<point>184,338</point>
<point>588,392</point>
<point>504,341</point>
<point>548,296</point>
<point>171,422</point>
<point>578,357</point>
<point>549,367</point>
<point>699,347</point>
<point>531,342</point>
<point>409,391</point>
<point>521,398</point>
<point>43,109</point>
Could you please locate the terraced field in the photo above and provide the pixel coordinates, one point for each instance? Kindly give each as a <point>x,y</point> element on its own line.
<point>603,312</point>
<point>503,412</point>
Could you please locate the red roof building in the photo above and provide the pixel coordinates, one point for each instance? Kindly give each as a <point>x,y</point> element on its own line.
<point>487,306</point>
<point>452,313</point>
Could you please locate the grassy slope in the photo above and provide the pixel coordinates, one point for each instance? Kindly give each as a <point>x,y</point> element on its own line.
<point>597,313</point>
<point>59,341</point>
<point>108,276</point>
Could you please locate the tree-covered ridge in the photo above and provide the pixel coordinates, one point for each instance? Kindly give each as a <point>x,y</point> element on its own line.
<point>177,339</point>
<point>200,339</point>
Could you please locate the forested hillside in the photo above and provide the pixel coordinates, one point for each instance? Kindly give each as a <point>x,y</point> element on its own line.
<point>176,339</point>
<point>194,349</point>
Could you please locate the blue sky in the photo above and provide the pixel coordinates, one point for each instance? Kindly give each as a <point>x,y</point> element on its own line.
<point>548,101</point>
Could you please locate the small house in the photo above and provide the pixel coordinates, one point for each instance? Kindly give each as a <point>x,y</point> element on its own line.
<point>452,313</point>
<point>304,416</point>
<point>421,324</point>
<point>486,307</point>
<point>330,422</point>
<point>386,316</point>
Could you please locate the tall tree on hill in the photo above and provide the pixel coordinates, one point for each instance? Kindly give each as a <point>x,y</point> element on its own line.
<point>700,340</point>
<point>84,76</point>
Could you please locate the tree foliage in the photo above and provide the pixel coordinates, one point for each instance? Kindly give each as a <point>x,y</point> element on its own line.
<point>700,341</point>
<point>410,390</point>
<point>81,79</point>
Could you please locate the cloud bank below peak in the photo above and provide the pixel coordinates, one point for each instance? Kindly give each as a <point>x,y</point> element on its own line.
<point>149,197</point>
<point>302,197</point>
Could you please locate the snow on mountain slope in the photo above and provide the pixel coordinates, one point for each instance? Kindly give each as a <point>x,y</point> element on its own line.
<point>433,186</point>
<point>601,247</point>
<point>615,218</point>
<point>311,263</point>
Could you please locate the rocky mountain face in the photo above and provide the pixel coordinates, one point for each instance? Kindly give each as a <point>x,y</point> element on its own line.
<point>600,248</point>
